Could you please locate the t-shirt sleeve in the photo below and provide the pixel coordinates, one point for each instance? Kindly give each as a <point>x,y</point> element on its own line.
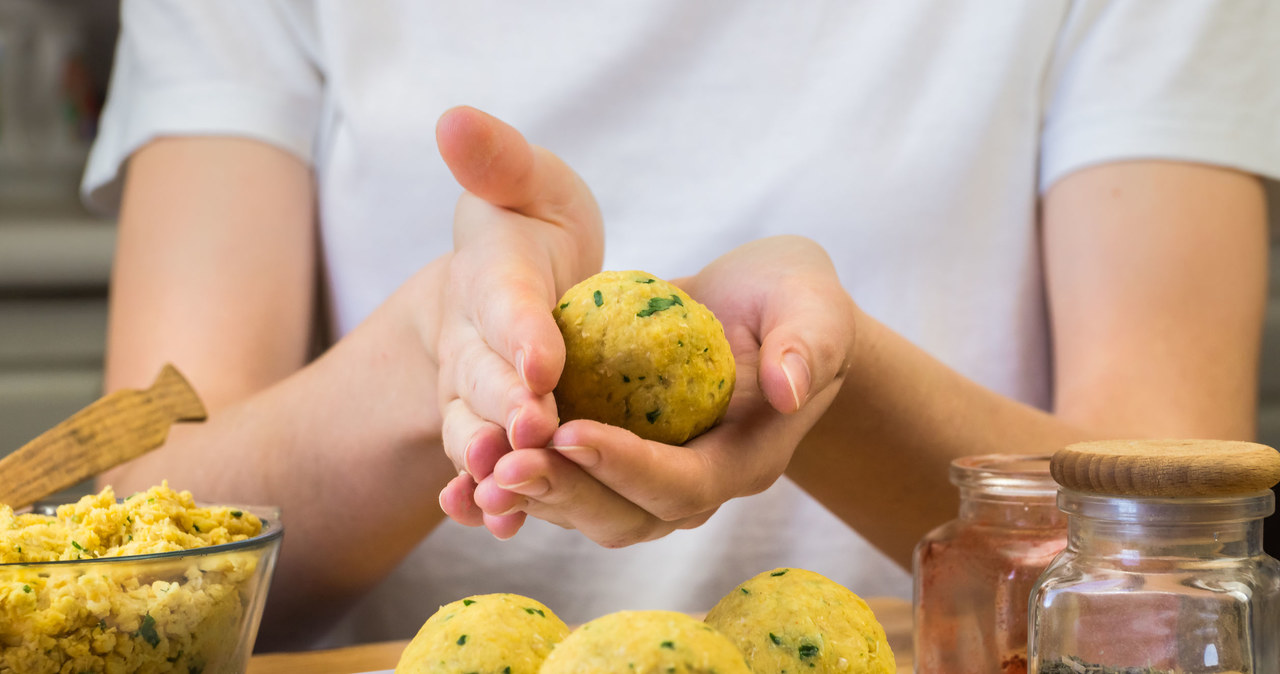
<point>1192,80</point>
<point>245,68</point>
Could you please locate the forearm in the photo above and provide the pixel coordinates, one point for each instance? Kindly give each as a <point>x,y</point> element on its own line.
<point>348,447</point>
<point>1156,281</point>
<point>878,458</point>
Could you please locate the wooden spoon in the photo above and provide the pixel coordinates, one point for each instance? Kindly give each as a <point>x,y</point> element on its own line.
<point>115,428</point>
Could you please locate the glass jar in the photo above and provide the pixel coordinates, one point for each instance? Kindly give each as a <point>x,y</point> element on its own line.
<point>973,575</point>
<point>1157,584</point>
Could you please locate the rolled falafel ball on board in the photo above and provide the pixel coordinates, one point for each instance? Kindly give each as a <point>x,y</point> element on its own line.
<point>484,633</point>
<point>645,642</point>
<point>794,620</point>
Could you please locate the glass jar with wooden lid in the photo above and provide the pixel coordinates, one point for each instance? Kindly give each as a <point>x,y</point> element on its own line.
<point>1164,569</point>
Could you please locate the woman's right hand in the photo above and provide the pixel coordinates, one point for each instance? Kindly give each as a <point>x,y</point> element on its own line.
<point>526,229</point>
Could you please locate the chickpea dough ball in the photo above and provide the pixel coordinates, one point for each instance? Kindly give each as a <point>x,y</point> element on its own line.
<point>645,642</point>
<point>643,355</point>
<point>488,633</point>
<point>793,620</point>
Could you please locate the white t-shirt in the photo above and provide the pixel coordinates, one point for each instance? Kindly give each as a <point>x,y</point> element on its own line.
<point>910,138</point>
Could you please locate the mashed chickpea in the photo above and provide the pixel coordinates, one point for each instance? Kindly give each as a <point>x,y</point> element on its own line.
<point>162,614</point>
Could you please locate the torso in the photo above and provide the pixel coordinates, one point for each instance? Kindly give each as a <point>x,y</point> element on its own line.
<point>902,136</point>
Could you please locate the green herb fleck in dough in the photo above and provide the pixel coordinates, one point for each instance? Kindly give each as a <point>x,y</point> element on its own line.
<point>626,379</point>
<point>679,342</point>
<point>652,415</point>
<point>598,298</point>
<point>657,304</point>
<point>564,306</point>
<point>506,670</point>
<point>237,514</point>
<point>148,631</point>
<point>648,280</point>
<point>76,545</point>
<point>462,640</point>
<point>669,645</point>
<point>808,651</point>
<point>532,611</point>
<point>468,602</point>
<point>778,573</point>
<point>744,590</point>
<point>774,638</point>
<point>26,588</point>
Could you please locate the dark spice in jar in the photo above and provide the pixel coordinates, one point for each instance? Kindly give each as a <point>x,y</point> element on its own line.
<point>1074,665</point>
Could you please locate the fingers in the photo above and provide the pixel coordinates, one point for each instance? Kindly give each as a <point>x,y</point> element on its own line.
<point>505,291</point>
<point>458,502</point>
<point>672,483</point>
<point>493,161</point>
<point>493,392</point>
<point>504,526</point>
<point>556,490</point>
<point>473,444</point>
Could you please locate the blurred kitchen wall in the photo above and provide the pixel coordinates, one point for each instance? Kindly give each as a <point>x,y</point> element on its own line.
<point>55,58</point>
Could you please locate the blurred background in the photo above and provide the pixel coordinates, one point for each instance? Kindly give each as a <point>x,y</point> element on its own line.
<point>55,257</point>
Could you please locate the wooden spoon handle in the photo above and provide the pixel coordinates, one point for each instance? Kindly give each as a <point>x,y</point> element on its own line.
<point>115,428</point>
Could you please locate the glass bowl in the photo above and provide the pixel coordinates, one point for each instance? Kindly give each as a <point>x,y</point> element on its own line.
<point>190,611</point>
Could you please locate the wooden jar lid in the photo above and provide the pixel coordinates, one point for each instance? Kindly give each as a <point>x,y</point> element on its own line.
<point>1166,468</point>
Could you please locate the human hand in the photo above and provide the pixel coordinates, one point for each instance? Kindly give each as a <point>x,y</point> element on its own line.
<point>526,230</point>
<point>790,325</point>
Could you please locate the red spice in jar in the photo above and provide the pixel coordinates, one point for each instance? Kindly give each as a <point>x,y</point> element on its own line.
<point>973,576</point>
<point>1015,663</point>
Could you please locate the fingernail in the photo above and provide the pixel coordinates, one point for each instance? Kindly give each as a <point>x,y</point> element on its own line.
<point>511,429</point>
<point>466,457</point>
<point>583,456</point>
<point>513,509</point>
<point>520,368</point>
<point>797,373</point>
<point>535,487</point>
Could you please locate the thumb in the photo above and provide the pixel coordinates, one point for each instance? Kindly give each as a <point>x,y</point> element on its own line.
<point>493,161</point>
<point>801,355</point>
<point>807,328</point>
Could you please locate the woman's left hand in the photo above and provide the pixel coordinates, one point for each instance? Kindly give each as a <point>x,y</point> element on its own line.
<point>791,327</point>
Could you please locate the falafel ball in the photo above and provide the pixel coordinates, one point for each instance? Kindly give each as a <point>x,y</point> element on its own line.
<point>645,642</point>
<point>641,354</point>
<point>793,620</point>
<point>489,633</point>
